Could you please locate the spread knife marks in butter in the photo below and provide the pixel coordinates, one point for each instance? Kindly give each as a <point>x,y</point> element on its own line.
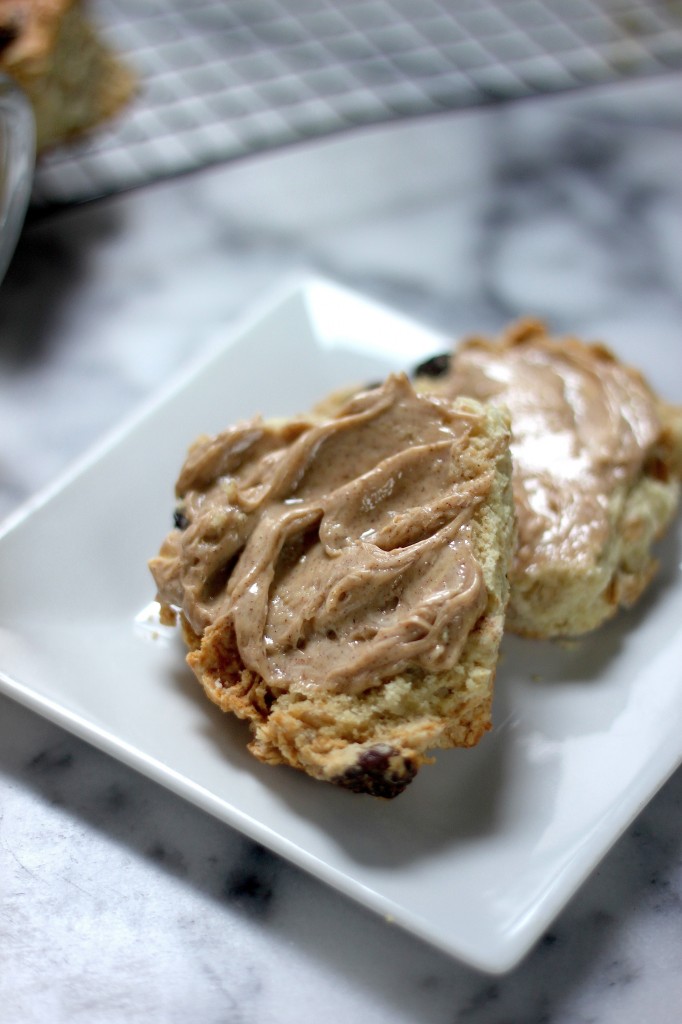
<point>339,551</point>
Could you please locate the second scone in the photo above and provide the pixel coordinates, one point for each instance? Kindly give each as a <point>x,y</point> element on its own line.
<point>342,581</point>
<point>597,457</point>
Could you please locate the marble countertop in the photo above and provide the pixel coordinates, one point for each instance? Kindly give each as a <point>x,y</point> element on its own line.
<point>120,901</point>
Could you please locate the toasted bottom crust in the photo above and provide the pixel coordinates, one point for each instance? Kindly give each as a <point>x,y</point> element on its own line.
<point>371,743</point>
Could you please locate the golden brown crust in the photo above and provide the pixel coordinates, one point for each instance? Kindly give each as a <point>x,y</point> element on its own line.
<point>373,743</point>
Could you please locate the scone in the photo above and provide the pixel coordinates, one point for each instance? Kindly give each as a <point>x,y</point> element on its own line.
<point>71,78</point>
<point>342,581</point>
<point>596,458</point>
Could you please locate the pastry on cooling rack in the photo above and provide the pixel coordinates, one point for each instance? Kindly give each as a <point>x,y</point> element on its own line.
<point>72,79</point>
<point>342,581</point>
<point>597,458</point>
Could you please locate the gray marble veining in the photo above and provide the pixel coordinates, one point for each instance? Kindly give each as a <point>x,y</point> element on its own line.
<point>119,900</point>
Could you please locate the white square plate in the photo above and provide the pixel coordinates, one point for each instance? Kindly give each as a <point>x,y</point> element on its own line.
<point>487,845</point>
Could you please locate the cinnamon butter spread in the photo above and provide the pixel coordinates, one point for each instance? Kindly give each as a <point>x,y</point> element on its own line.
<point>582,427</point>
<point>338,552</point>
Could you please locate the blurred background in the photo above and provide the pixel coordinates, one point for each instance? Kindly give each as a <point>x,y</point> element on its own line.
<point>220,80</point>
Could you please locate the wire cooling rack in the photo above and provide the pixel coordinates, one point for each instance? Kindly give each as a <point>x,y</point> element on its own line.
<point>220,80</point>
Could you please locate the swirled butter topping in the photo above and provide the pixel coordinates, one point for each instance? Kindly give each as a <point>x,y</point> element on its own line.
<point>338,553</point>
<point>583,425</point>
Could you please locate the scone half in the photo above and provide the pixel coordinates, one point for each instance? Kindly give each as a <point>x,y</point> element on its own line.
<point>597,457</point>
<point>342,581</point>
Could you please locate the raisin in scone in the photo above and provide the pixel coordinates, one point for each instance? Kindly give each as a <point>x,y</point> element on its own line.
<point>596,458</point>
<point>342,581</point>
